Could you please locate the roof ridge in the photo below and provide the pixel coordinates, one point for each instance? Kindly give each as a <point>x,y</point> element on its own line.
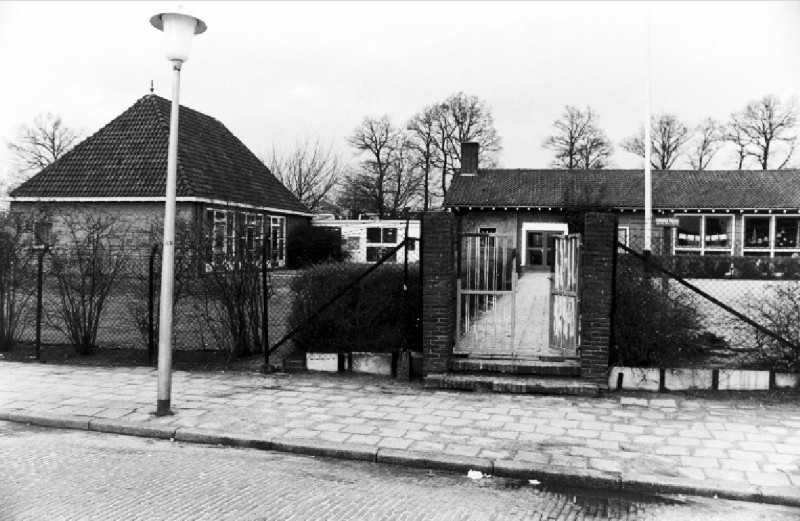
<point>641,170</point>
<point>181,178</point>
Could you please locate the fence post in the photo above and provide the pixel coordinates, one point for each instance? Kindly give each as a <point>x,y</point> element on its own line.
<point>265,296</point>
<point>404,317</point>
<point>39,284</point>
<point>151,305</point>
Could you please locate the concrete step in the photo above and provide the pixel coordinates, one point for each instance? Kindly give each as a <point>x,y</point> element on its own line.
<point>545,367</point>
<point>513,384</point>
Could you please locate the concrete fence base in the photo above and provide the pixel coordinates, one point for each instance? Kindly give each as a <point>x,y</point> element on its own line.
<point>655,379</point>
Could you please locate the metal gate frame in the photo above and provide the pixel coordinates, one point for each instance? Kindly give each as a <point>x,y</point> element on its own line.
<point>565,327</point>
<point>476,279</point>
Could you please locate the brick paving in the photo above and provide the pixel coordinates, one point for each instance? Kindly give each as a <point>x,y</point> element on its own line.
<point>50,474</point>
<point>667,441</point>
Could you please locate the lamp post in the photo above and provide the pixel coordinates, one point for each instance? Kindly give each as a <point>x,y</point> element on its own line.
<point>648,167</point>
<point>178,31</point>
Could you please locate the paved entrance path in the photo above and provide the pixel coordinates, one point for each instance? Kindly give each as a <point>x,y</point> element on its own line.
<point>692,446</point>
<point>490,330</point>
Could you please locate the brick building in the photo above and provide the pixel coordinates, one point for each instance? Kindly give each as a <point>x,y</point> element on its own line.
<point>120,171</point>
<point>751,213</point>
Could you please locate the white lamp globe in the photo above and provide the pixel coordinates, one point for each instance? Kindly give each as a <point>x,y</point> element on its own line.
<point>178,31</point>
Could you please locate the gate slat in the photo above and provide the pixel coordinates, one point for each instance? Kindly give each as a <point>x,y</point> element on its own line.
<point>564,296</point>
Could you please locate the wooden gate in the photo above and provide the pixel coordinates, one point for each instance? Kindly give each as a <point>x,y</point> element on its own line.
<point>485,313</point>
<point>565,295</point>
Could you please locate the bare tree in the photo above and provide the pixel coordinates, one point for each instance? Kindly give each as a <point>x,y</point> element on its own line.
<point>310,170</point>
<point>765,131</point>
<point>423,140</point>
<point>709,139</point>
<point>39,144</point>
<point>386,181</point>
<point>463,118</point>
<point>578,142</point>
<point>667,140</point>
<point>735,135</point>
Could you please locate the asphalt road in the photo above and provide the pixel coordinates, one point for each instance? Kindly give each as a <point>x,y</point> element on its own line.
<point>61,474</point>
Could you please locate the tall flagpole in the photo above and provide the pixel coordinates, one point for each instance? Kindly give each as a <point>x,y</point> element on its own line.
<point>648,175</point>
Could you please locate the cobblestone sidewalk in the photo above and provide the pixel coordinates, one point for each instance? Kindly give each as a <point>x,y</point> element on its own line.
<point>673,444</point>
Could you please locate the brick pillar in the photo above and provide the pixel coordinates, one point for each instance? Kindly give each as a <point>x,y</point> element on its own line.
<point>438,291</point>
<point>597,288</point>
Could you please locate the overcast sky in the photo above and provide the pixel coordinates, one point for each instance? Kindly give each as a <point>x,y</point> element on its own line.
<point>273,71</point>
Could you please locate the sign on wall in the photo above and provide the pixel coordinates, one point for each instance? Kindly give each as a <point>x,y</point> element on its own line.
<point>667,222</point>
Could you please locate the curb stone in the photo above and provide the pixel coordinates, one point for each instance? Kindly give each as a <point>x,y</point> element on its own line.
<point>677,485</point>
<point>131,428</point>
<point>200,436</point>
<point>558,475</point>
<point>786,496</point>
<point>435,461</point>
<point>324,448</point>
<point>62,421</point>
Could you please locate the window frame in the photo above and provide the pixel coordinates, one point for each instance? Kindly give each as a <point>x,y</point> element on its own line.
<point>385,234</point>
<point>42,235</point>
<point>703,249</point>
<point>772,248</point>
<point>627,230</point>
<point>277,244</point>
<point>236,226</point>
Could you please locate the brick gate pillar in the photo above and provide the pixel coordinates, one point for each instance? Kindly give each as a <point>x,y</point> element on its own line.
<point>597,288</point>
<point>438,291</point>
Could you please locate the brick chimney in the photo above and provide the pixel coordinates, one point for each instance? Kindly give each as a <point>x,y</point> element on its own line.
<point>469,158</point>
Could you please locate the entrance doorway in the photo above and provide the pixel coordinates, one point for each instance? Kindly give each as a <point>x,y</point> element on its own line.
<point>540,246</point>
<point>538,251</point>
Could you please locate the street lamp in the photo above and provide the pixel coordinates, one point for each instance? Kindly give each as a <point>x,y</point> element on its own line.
<point>178,31</point>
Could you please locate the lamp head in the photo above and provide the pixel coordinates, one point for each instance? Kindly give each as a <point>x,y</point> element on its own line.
<point>178,30</point>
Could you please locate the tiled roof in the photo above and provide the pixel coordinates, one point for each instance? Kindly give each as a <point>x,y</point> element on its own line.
<point>128,158</point>
<point>673,189</point>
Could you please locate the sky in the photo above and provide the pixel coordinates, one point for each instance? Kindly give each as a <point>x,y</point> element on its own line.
<point>275,72</point>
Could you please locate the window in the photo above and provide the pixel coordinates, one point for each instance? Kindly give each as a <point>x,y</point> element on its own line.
<point>216,236</point>
<point>389,235</point>
<point>704,234</point>
<point>487,242</point>
<point>373,235</point>
<point>376,235</point>
<point>380,236</point>
<point>233,234</point>
<point>718,232</point>
<point>278,240</point>
<point>250,228</point>
<point>42,234</point>
<point>756,232</point>
<point>624,235</point>
<point>774,236</point>
<point>787,232</point>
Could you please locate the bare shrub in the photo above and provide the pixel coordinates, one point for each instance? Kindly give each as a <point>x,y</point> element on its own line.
<point>232,303</point>
<point>187,268</point>
<point>375,316</point>
<point>87,266</point>
<point>653,327</point>
<point>17,277</point>
<point>777,308</point>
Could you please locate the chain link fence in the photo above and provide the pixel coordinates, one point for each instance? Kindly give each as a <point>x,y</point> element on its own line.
<point>109,299</point>
<point>680,304</point>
